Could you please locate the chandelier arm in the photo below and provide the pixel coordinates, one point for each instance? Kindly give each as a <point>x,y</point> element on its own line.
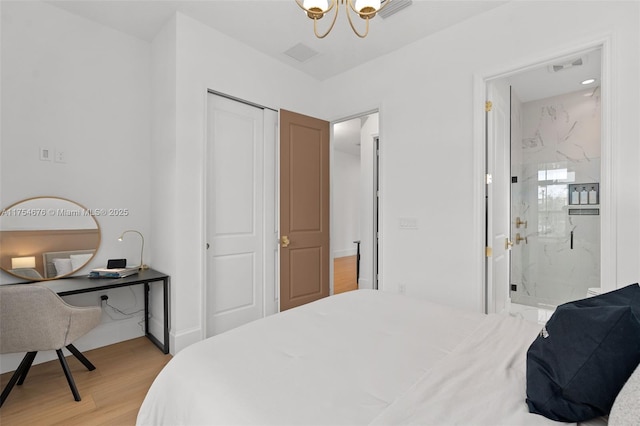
<point>335,17</point>
<point>353,26</point>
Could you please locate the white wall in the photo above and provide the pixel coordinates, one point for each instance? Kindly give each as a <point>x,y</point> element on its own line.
<point>82,88</point>
<point>163,164</point>
<point>346,207</point>
<point>427,134</point>
<point>77,85</point>
<point>204,59</point>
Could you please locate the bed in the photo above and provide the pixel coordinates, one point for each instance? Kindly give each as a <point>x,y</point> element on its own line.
<point>362,357</point>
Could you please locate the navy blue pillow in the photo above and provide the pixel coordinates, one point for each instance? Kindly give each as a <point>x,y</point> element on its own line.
<point>584,355</point>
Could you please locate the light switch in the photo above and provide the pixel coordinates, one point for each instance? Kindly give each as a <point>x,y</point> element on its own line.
<point>408,223</point>
<point>45,154</point>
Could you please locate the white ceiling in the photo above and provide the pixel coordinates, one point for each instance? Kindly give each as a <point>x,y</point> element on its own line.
<point>541,83</point>
<point>274,26</point>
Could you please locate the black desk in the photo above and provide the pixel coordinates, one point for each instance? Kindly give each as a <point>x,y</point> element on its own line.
<point>84,284</point>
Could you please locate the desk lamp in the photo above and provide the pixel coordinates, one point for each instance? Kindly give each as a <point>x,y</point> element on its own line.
<point>142,265</point>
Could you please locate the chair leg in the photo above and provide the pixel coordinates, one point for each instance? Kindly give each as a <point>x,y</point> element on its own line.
<point>81,357</point>
<point>32,356</point>
<point>67,373</point>
<point>20,371</point>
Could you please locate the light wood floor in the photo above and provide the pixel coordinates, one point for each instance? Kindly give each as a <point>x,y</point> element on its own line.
<point>344,274</point>
<point>111,394</point>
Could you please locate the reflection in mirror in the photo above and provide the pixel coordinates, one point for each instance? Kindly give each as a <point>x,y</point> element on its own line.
<point>46,237</point>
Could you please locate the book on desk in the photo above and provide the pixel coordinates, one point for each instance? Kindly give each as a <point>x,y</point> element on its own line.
<point>113,272</point>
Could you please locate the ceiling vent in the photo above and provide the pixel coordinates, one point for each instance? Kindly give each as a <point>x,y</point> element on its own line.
<point>394,7</point>
<point>301,52</point>
<point>560,67</point>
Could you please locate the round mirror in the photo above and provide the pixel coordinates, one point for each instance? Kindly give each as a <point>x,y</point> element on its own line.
<point>46,237</point>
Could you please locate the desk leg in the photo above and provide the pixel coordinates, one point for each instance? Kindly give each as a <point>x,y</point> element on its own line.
<point>165,292</point>
<point>163,346</point>
<point>146,309</point>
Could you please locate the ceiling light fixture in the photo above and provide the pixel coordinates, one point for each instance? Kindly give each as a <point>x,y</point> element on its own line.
<point>589,81</point>
<point>366,9</point>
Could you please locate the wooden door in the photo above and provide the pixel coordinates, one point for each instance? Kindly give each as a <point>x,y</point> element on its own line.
<point>304,209</point>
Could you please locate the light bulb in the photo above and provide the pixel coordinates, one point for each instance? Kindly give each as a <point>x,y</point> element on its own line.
<point>316,5</point>
<point>367,6</point>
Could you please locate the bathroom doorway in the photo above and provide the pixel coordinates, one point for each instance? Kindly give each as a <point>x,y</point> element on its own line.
<point>355,195</point>
<point>555,181</point>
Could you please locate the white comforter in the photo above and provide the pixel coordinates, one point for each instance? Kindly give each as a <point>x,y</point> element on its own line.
<point>363,357</point>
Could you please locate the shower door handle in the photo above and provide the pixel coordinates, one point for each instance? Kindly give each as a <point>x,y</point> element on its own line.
<point>508,244</point>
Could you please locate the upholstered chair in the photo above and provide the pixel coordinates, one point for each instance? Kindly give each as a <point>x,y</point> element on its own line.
<point>34,318</point>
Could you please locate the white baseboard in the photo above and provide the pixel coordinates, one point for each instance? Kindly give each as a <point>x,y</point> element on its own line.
<point>103,335</point>
<point>179,341</point>
<point>345,253</point>
<point>364,283</point>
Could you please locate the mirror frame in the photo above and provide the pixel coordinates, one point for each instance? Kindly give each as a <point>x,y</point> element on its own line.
<point>78,207</point>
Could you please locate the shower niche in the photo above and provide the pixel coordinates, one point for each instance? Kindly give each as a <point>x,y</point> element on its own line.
<point>584,194</point>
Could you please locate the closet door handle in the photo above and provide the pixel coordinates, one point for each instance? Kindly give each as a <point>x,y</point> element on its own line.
<point>284,241</point>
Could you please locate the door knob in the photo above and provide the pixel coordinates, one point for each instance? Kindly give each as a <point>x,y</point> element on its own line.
<point>284,241</point>
<point>507,244</point>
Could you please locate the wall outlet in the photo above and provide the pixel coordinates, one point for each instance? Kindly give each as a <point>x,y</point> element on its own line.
<point>60,157</point>
<point>402,289</point>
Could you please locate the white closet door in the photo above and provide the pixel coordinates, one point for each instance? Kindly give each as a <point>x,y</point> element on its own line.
<point>235,215</point>
<point>498,194</point>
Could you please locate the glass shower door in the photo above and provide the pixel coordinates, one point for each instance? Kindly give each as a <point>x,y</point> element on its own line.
<point>555,151</point>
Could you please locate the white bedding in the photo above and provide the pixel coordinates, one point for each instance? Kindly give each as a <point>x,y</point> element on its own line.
<point>362,357</point>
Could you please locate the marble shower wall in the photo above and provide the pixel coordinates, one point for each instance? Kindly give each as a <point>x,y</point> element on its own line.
<point>555,142</point>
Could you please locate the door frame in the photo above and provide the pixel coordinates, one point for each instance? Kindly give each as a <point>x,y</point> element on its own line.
<point>376,264</point>
<point>608,206</point>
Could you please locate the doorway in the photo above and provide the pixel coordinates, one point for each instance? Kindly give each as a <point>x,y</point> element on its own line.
<point>355,201</point>
<point>553,179</point>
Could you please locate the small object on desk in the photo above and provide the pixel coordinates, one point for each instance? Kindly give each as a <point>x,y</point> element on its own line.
<point>116,263</point>
<point>113,273</point>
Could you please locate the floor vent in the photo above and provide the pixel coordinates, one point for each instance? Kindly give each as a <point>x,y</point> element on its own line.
<point>394,7</point>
